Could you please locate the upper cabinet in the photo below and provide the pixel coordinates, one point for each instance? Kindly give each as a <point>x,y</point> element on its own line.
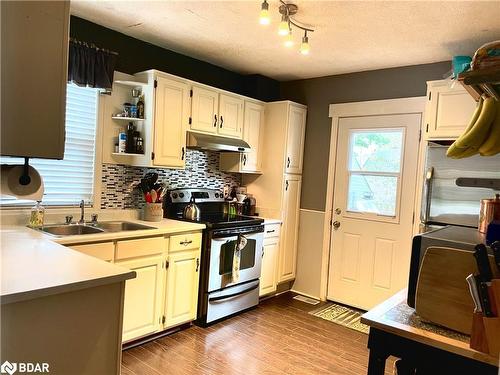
<point>448,110</point>
<point>171,116</point>
<point>253,129</point>
<point>34,46</point>
<point>216,113</point>
<point>295,139</point>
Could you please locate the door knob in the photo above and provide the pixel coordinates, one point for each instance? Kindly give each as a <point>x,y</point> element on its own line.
<point>336,224</point>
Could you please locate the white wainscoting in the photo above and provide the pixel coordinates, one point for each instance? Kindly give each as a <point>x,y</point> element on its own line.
<point>309,253</point>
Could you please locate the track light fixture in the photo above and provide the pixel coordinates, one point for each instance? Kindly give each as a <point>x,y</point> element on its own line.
<point>287,10</point>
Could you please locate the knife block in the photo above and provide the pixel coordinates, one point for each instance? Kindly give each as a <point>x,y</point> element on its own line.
<point>485,335</point>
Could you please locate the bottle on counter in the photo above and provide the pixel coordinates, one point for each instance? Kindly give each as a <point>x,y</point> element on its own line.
<point>37,215</point>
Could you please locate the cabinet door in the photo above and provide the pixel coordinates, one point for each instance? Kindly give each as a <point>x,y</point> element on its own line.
<point>252,130</point>
<point>182,287</point>
<point>295,139</point>
<point>204,111</point>
<point>269,263</point>
<point>170,122</point>
<point>230,116</point>
<point>291,207</point>
<point>448,110</point>
<point>143,297</point>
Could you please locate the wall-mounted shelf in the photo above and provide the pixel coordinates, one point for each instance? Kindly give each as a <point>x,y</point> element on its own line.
<point>127,118</point>
<point>130,83</point>
<point>479,82</point>
<point>125,154</point>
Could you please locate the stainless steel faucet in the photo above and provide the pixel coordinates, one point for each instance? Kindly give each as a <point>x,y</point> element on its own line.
<point>82,210</point>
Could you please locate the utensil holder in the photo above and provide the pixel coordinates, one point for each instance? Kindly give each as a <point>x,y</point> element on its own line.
<point>153,212</point>
<point>485,335</point>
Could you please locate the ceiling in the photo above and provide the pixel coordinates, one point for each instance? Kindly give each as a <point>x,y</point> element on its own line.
<point>349,36</point>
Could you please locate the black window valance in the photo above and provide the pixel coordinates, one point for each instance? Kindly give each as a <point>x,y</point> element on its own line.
<point>90,66</point>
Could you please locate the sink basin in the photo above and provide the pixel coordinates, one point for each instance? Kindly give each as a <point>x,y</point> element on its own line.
<point>70,230</point>
<point>120,226</point>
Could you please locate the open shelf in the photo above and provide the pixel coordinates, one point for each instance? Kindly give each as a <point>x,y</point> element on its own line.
<point>483,81</point>
<point>127,118</point>
<point>130,83</point>
<point>125,154</point>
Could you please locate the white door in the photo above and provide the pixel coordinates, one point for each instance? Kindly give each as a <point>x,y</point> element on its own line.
<point>288,249</point>
<point>252,129</point>
<point>295,139</point>
<point>170,123</point>
<point>268,270</point>
<point>143,295</point>
<point>230,116</point>
<point>204,110</point>
<point>182,287</point>
<point>375,182</point>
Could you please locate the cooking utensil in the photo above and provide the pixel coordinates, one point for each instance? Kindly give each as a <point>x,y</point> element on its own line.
<point>485,299</point>
<point>483,263</point>
<point>471,281</point>
<point>496,252</point>
<point>192,211</point>
<point>154,196</point>
<point>489,211</point>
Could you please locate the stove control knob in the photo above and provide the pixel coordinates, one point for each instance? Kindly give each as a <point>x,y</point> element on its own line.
<point>221,194</point>
<point>181,195</point>
<point>216,195</point>
<point>174,195</point>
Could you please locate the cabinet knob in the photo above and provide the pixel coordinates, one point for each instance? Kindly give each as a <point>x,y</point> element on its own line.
<point>183,152</point>
<point>221,121</point>
<point>286,185</point>
<point>288,162</point>
<point>244,159</point>
<point>215,121</point>
<point>197,264</point>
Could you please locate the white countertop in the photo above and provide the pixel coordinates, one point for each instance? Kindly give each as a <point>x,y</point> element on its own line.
<point>35,265</point>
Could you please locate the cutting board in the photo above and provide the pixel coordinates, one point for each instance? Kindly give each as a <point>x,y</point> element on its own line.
<point>442,294</point>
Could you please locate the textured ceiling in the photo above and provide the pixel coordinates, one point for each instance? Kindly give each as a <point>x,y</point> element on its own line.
<point>350,36</point>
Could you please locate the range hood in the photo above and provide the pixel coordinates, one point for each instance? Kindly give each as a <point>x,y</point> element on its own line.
<point>215,143</point>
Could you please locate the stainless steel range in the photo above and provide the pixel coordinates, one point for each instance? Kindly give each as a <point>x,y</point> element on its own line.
<point>231,253</point>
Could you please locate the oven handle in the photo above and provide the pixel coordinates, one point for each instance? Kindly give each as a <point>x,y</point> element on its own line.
<point>221,235</point>
<point>214,299</point>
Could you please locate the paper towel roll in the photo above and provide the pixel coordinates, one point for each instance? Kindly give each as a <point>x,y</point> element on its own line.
<point>10,185</point>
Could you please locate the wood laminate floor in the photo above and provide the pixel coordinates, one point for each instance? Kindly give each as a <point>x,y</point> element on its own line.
<point>277,337</point>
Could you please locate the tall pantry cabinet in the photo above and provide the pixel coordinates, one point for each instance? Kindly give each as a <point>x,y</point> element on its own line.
<point>277,190</point>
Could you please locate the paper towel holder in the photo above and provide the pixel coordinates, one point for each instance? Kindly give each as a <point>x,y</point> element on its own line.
<point>25,178</point>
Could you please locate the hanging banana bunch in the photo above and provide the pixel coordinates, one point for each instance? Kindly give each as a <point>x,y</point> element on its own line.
<point>482,135</point>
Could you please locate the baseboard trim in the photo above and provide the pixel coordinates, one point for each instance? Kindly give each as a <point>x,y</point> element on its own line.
<point>305,294</point>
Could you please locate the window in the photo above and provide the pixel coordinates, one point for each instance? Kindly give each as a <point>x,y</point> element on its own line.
<point>375,171</point>
<point>70,180</point>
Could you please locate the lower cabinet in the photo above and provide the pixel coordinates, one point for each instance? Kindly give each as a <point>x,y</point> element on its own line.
<point>268,281</point>
<point>143,297</point>
<point>182,287</point>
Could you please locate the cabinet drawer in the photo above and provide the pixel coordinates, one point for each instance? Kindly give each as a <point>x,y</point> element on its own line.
<point>185,241</point>
<point>272,230</point>
<point>101,250</point>
<point>140,247</point>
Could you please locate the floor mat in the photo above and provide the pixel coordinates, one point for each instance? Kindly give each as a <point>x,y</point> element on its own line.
<point>345,316</point>
<point>305,299</point>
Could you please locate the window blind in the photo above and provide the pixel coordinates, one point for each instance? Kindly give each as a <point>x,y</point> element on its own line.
<point>69,180</point>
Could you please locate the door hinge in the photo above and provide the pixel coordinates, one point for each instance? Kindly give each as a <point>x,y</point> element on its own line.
<point>427,128</point>
<point>163,319</point>
<point>152,156</point>
<point>156,84</point>
<point>191,93</point>
<point>190,120</point>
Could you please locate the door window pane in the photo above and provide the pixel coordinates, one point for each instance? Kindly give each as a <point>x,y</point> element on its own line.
<point>376,151</point>
<point>374,194</point>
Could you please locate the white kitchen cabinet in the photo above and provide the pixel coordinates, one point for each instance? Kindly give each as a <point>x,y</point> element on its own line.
<point>230,116</point>
<point>182,287</point>
<point>205,110</point>
<point>448,110</point>
<point>143,297</point>
<point>270,254</point>
<point>253,128</point>
<point>171,120</point>
<point>295,139</point>
<point>291,209</point>
<point>34,73</point>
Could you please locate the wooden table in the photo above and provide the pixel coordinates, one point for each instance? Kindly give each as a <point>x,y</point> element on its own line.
<point>395,330</point>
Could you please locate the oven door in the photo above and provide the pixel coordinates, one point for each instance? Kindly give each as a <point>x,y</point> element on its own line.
<point>222,246</point>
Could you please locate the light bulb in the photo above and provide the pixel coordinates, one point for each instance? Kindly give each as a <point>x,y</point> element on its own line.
<point>304,47</point>
<point>264,14</point>
<point>289,39</point>
<point>283,27</point>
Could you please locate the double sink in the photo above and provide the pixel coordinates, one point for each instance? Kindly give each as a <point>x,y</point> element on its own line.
<point>93,228</point>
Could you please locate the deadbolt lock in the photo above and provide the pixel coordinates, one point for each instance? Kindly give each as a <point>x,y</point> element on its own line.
<point>338,211</point>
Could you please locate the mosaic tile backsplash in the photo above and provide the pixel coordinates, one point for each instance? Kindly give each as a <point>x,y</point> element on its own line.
<point>202,170</point>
